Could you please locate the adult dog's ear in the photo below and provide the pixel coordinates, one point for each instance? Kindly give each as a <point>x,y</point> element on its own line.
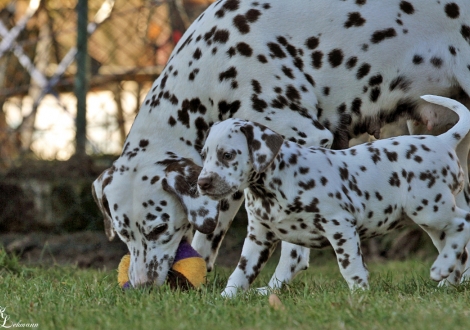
<point>97,190</point>
<point>181,181</point>
<point>263,145</point>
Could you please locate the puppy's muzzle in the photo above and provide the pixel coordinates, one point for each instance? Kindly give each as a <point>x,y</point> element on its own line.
<point>212,185</point>
<point>205,183</point>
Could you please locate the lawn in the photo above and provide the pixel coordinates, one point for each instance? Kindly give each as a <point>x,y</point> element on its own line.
<point>401,297</point>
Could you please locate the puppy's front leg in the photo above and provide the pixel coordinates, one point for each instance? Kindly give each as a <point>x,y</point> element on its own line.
<point>294,259</point>
<point>258,247</point>
<point>345,242</point>
<point>208,245</point>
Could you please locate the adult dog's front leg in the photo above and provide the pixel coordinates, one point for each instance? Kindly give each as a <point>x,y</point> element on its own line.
<point>258,247</point>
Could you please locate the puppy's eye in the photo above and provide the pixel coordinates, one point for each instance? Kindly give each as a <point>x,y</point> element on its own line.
<point>157,231</point>
<point>228,156</point>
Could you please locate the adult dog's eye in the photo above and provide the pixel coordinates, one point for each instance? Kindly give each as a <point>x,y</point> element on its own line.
<point>157,231</point>
<point>228,156</point>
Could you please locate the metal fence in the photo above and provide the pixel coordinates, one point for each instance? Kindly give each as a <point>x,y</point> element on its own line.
<point>129,42</point>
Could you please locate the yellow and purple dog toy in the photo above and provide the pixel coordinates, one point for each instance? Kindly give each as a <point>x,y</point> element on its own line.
<point>188,269</point>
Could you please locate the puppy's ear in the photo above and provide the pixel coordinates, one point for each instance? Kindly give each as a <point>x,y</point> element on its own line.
<point>202,137</point>
<point>100,198</point>
<point>263,145</point>
<point>181,181</point>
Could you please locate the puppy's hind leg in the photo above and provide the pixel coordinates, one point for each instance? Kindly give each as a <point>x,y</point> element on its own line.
<point>438,238</point>
<point>451,259</point>
<point>463,198</point>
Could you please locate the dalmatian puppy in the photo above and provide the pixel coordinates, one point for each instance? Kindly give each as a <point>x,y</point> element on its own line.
<point>310,70</point>
<point>315,197</point>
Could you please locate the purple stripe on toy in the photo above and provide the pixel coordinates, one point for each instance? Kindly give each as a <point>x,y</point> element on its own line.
<point>185,251</point>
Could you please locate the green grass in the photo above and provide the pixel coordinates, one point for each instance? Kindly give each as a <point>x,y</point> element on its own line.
<point>401,297</point>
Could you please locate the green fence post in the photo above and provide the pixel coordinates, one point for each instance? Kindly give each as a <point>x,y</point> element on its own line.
<point>81,76</point>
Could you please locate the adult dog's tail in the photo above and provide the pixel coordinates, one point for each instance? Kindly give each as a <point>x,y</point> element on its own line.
<point>454,135</point>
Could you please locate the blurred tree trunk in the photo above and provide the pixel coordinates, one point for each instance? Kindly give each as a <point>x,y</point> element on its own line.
<point>178,19</point>
<point>116,88</point>
<point>41,60</point>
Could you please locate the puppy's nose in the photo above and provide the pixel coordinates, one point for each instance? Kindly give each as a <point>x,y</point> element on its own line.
<point>205,182</point>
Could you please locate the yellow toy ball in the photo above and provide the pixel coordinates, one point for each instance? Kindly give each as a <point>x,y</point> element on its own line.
<point>123,270</point>
<point>188,270</point>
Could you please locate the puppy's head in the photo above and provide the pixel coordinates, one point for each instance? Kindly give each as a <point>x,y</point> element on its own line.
<point>233,150</point>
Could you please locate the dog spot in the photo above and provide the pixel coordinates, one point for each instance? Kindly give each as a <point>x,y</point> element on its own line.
<point>391,155</point>
<point>407,7</point>
<point>381,35</point>
<point>258,104</point>
<point>241,23</point>
<point>292,93</point>
<point>288,72</point>
<point>465,32</point>
<point>452,10</point>
<point>317,59</point>
<point>228,108</point>
<point>335,57</point>
<point>363,71</point>
<point>143,143</point>
<point>394,180</point>
<point>374,94</point>
<point>401,83</point>
<point>256,86</point>
<point>378,196</point>
<point>452,51</point>
<point>436,62</point>
<point>262,59</point>
<point>417,59</point>
<point>354,19</point>
<point>192,74</point>
<point>244,49</point>
<point>276,51</point>
<point>356,106</point>
<point>375,80</point>
<point>252,15</point>
<point>197,54</point>
<point>351,62</point>
<point>230,5</point>
<point>228,74</point>
<point>312,43</point>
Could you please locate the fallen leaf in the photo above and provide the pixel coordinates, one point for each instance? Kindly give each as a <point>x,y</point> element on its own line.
<point>275,302</point>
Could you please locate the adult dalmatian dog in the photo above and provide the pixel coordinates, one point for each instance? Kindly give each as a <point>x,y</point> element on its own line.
<point>317,197</point>
<point>310,70</point>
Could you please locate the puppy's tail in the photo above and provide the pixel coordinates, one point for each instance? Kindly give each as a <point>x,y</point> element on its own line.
<point>454,135</point>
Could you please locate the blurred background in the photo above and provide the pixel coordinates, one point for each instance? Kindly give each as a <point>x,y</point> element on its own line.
<point>73,74</point>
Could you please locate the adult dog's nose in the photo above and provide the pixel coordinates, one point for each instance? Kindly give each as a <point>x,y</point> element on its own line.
<point>205,182</point>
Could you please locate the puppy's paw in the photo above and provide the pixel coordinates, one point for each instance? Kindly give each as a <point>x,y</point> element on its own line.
<point>439,273</point>
<point>229,292</point>
<point>264,291</point>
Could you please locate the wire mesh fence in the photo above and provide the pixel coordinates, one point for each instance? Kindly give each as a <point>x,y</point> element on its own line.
<point>129,42</point>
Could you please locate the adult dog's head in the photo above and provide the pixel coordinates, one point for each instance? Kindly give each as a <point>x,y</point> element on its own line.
<point>152,207</point>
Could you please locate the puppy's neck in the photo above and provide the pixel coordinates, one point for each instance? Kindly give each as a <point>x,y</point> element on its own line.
<point>268,183</point>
